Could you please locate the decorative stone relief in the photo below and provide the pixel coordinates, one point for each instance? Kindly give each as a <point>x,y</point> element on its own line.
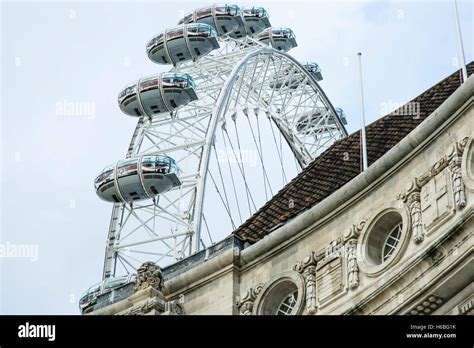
<point>350,243</point>
<point>329,278</point>
<point>145,307</point>
<point>412,198</point>
<point>245,304</point>
<point>467,308</point>
<point>429,197</point>
<point>427,306</point>
<point>330,273</point>
<point>435,200</point>
<point>174,308</point>
<point>414,205</point>
<point>458,185</point>
<point>307,268</point>
<point>455,160</point>
<point>149,275</point>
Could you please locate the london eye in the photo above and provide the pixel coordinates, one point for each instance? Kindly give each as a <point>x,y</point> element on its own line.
<point>231,122</point>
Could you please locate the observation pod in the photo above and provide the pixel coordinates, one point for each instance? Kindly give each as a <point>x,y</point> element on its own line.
<point>182,43</point>
<point>282,39</point>
<point>314,70</point>
<point>307,124</point>
<point>256,20</point>
<point>342,115</point>
<point>89,298</point>
<point>137,178</point>
<point>225,18</point>
<point>285,80</point>
<point>156,94</point>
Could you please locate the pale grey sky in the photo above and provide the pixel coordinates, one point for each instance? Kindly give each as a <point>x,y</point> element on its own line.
<point>85,52</point>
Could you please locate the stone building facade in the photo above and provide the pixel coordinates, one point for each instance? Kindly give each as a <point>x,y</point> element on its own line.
<point>394,239</point>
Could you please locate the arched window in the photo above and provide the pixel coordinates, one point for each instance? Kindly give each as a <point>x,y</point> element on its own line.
<point>284,294</point>
<point>391,242</point>
<point>288,303</point>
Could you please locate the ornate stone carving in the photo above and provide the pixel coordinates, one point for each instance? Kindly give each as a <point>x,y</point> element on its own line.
<point>245,304</point>
<point>149,275</point>
<point>436,203</point>
<point>427,196</point>
<point>427,306</point>
<point>329,278</point>
<point>174,308</point>
<point>310,281</point>
<point>414,205</point>
<point>307,268</point>
<point>459,190</point>
<point>350,243</point>
<point>334,248</point>
<point>143,307</point>
<point>352,267</point>
<point>467,307</point>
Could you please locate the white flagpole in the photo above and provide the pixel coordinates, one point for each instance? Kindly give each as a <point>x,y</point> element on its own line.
<point>362,116</point>
<point>460,44</point>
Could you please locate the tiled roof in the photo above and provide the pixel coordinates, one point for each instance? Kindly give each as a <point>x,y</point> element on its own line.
<point>341,162</point>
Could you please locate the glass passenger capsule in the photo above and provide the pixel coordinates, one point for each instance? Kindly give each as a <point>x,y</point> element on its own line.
<point>342,115</point>
<point>256,20</point>
<point>156,94</point>
<point>225,18</point>
<point>89,298</point>
<point>282,39</point>
<point>182,43</point>
<point>308,123</point>
<point>314,70</point>
<point>137,178</point>
<point>296,78</point>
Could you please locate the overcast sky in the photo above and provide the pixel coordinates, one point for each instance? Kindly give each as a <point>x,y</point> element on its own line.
<point>83,52</point>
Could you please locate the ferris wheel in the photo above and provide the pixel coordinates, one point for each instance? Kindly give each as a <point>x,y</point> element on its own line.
<point>217,136</point>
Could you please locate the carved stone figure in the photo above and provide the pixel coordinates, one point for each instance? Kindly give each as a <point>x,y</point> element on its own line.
<point>307,268</point>
<point>309,274</point>
<point>414,205</point>
<point>457,183</point>
<point>352,267</point>
<point>350,240</point>
<point>149,275</point>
